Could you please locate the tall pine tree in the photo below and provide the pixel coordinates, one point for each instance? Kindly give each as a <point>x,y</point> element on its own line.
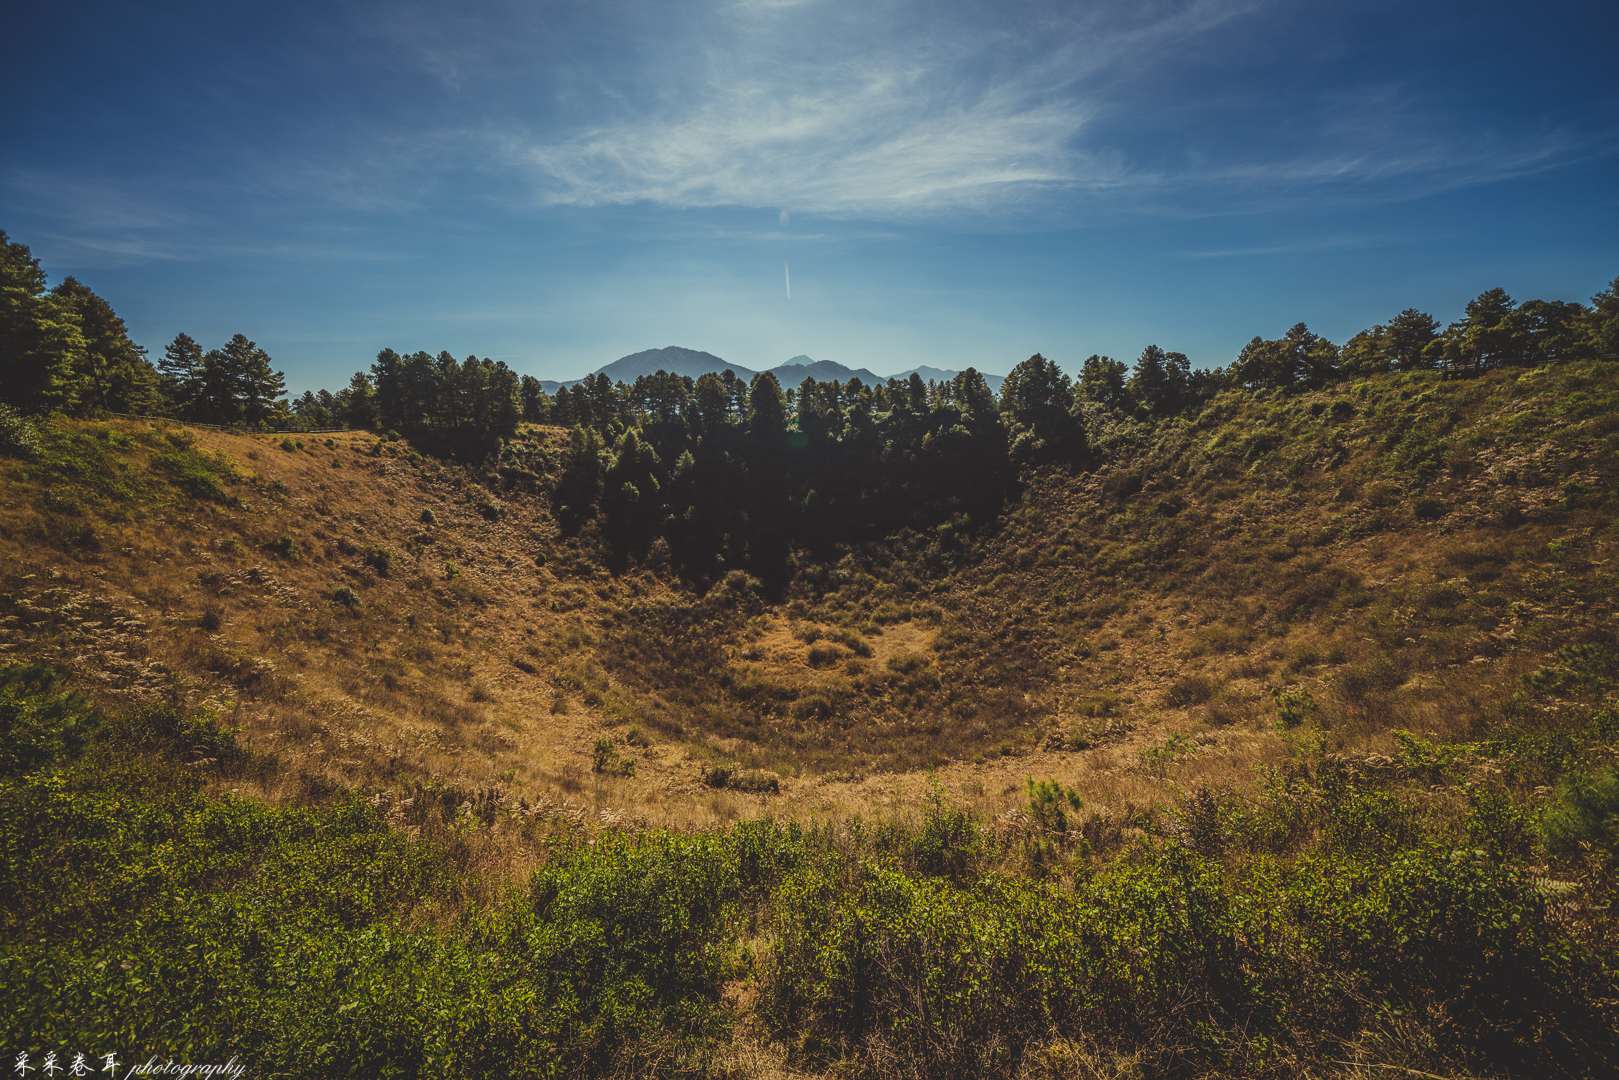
<point>180,375</point>
<point>41,341</point>
<point>112,373</point>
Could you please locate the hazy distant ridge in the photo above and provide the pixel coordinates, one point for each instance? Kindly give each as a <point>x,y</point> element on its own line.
<point>694,363</point>
<point>800,368</point>
<point>672,359</point>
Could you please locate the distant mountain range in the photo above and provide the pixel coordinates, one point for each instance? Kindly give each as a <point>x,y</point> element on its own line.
<point>692,363</point>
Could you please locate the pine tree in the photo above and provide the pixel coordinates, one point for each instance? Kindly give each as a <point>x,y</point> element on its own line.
<point>1297,360</point>
<point>1601,322</point>
<point>112,373</point>
<point>180,375</point>
<point>536,402</point>
<point>237,385</point>
<point>1102,380</point>
<point>1160,381</point>
<point>258,388</point>
<point>41,341</point>
<point>216,401</point>
<point>358,403</point>
<point>1036,398</point>
<point>1409,333</point>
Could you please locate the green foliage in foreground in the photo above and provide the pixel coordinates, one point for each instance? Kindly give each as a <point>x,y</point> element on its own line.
<point>140,914</point>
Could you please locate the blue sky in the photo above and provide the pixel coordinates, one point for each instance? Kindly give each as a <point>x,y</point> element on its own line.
<point>560,184</point>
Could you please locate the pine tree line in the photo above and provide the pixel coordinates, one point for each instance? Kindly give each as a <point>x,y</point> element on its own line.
<point>66,350</point>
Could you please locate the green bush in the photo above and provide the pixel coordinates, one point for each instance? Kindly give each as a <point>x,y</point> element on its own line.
<point>200,476</point>
<point>852,641</point>
<point>949,843</point>
<point>1261,934</point>
<point>1586,814</point>
<point>605,758</point>
<point>1292,709</point>
<point>1189,689</point>
<point>18,436</point>
<point>39,728</point>
<point>380,559</point>
<point>1428,508</point>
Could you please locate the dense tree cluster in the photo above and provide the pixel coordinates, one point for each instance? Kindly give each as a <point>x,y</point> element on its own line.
<point>1496,331</point>
<point>354,406</point>
<point>731,473</point>
<point>232,385</point>
<point>65,349</point>
<point>419,390</point>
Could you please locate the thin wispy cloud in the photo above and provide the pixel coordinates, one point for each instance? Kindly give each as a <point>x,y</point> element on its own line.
<point>900,112</point>
<point>1310,247</point>
<point>837,151</point>
<point>953,116</point>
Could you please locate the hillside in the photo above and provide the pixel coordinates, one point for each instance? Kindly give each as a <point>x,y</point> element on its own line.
<point>1215,688</point>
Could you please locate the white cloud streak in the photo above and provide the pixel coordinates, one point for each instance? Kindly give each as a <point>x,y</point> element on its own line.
<point>895,113</point>
<point>956,118</point>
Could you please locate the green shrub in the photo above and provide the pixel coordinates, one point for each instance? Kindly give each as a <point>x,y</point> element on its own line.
<point>1586,813</point>
<point>284,546</point>
<point>853,642</point>
<point>197,475</point>
<point>907,663</point>
<point>339,944</point>
<point>380,559</point>
<point>824,655</point>
<point>812,707</point>
<point>346,596</point>
<point>1050,803</point>
<point>949,843</point>
<point>18,436</point>
<point>605,758</point>
<point>1428,508</point>
<point>428,516</point>
<point>37,727</point>
<point>1292,709</point>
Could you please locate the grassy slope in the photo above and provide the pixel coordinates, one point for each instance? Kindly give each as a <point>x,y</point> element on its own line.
<point>1394,556</point>
<point>1269,542</point>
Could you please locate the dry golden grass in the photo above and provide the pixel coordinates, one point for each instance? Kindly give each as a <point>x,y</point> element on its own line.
<point>477,654</point>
